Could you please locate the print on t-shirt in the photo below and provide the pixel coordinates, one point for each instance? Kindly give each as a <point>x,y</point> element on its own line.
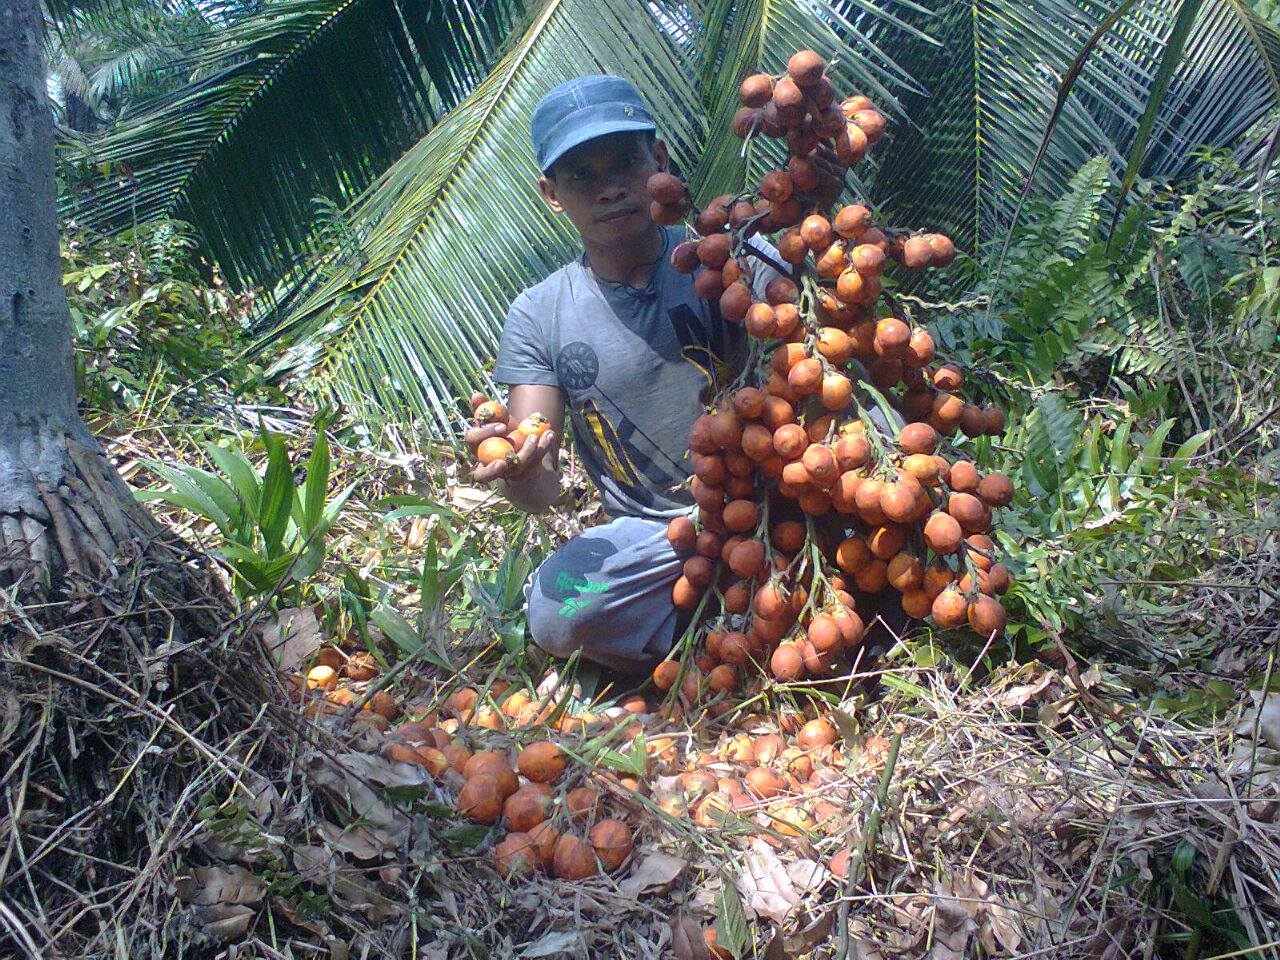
<point>578,365</point>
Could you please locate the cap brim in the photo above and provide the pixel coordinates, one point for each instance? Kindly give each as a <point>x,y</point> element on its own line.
<point>593,132</point>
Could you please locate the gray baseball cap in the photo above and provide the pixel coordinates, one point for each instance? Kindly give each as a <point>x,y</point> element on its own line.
<point>582,109</point>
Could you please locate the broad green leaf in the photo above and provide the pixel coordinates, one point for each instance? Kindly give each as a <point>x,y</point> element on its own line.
<point>261,571</point>
<point>197,504</point>
<point>221,493</point>
<point>1189,449</point>
<point>317,482</point>
<point>388,619</point>
<point>197,499</point>
<point>1150,461</point>
<point>429,585</point>
<point>237,468</point>
<point>1120,451</point>
<point>277,493</point>
<point>732,930</point>
<point>465,838</point>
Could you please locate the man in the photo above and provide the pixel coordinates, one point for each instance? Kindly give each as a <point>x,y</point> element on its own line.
<point>619,340</point>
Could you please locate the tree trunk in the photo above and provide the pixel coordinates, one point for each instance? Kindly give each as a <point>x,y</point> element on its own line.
<point>64,511</point>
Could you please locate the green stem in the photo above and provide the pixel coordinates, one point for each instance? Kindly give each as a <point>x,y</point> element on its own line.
<point>857,863</point>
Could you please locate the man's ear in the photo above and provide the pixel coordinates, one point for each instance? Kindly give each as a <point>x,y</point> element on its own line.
<point>547,187</point>
<point>661,155</point>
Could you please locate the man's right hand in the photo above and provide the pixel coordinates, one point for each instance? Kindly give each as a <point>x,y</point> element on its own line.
<point>531,455</point>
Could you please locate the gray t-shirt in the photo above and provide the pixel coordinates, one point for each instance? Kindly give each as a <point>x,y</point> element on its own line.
<point>635,364</point>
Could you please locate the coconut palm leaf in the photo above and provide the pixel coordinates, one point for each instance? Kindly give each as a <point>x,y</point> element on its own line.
<point>455,229</point>
<point>303,98</point>
<point>994,88</point>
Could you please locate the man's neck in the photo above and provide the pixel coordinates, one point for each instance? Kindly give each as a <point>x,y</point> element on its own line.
<point>629,263</point>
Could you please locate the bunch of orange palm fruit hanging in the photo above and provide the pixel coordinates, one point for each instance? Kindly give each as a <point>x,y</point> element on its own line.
<point>812,499</point>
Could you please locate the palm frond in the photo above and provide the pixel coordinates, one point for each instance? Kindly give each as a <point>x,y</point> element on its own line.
<point>453,231</point>
<point>304,98</point>
<point>993,88</point>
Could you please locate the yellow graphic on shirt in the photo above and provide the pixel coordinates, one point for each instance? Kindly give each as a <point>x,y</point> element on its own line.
<point>714,370</point>
<point>616,459</point>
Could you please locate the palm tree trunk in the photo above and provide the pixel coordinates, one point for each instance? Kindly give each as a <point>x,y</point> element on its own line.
<point>63,509</point>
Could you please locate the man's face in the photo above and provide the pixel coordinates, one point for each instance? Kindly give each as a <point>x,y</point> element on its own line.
<point>600,187</point>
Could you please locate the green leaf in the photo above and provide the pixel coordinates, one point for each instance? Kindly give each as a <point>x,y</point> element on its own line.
<point>194,497</point>
<point>1184,855</point>
<point>405,793</point>
<point>317,482</point>
<point>1150,461</point>
<point>1120,451</point>
<point>221,493</point>
<point>1053,430</point>
<point>464,838</point>
<point>277,493</point>
<point>262,571</point>
<point>199,504</point>
<point>238,469</point>
<point>1022,93</point>
<point>430,592</point>
<point>423,510</point>
<point>624,762</point>
<point>1188,449</point>
<point>846,725</point>
<point>1188,10</point>
<point>513,572</point>
<point>388,619</point>
<point>732,931</point>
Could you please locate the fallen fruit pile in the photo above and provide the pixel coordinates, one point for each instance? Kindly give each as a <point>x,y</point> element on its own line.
<point>540,774</point>
<point>810,496</point>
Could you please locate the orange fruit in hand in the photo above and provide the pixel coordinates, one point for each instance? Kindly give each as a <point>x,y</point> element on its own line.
<point>534,425</point>
<point>493,449</point>
<point>491,411</point>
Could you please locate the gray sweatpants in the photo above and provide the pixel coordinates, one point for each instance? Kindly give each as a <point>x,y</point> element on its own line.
<point>607,592</point>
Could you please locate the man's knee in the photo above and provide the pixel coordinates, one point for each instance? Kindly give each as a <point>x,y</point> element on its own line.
<point>554,624</point>
<point>606,592</point>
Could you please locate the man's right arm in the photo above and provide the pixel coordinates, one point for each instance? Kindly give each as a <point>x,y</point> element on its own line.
<point>532,480</point>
